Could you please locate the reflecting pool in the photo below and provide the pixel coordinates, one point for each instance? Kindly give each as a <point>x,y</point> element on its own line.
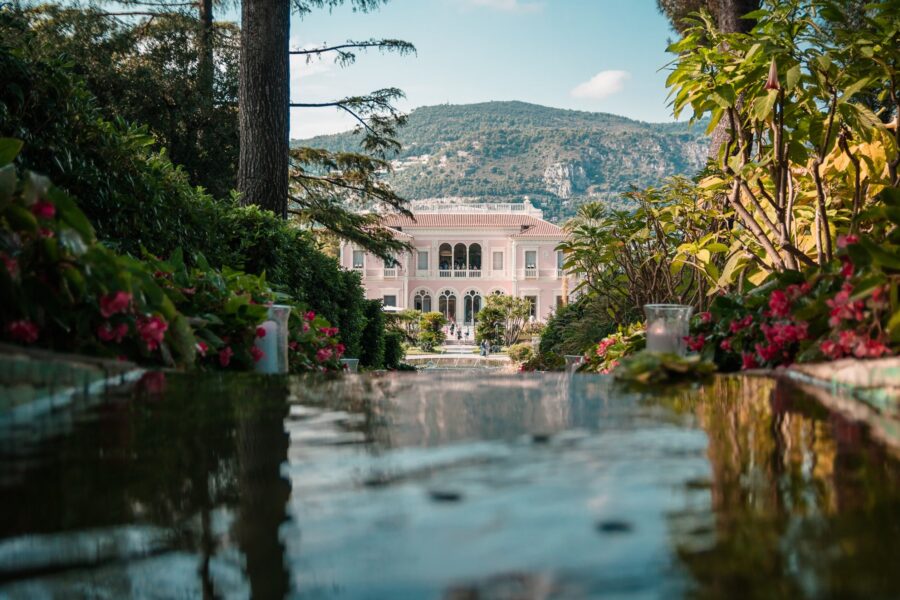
<point>447,485</point>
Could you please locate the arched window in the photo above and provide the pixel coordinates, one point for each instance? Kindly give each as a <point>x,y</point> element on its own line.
<point>445,257</point>
<point>422,301</point>
<point>471,306</point>
<point>475,257</point>
<point>459,257</point>
<point>447,304</point>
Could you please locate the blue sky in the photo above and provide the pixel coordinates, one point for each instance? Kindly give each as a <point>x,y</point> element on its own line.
<point>598,55</point>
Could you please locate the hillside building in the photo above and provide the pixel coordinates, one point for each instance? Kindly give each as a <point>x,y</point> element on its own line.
<point>461,254</point>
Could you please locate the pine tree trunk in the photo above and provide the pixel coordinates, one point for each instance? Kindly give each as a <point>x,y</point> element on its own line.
<point>205,67</point>
<point>728,15</point>
<point>264,94</point>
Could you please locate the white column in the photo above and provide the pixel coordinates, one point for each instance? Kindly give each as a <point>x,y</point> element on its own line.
<point>512,265</point>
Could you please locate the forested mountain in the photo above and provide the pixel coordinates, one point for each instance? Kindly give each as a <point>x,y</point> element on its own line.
<point>503,151</point>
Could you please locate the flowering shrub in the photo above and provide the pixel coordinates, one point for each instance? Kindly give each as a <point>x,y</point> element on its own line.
<point>63,290</point>
<point>843,310</point>
<point>606,355</point>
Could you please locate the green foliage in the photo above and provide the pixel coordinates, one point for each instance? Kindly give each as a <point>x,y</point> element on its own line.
<point>372,345</point>
<point>607,354</point>
<point>805,153</point>
<point>148,71</point>
<point>431,332</point>
<point>520,352</point>
<point>576,326</point>
<point>64,290</point>
<point>139,201</point>
<point>394,349</point>
<point>501,151</point>
<point>652,367</point>
<point>664,250</point>
<point>501,319</point>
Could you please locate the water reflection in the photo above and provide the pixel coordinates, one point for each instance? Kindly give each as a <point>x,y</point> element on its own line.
<point>158,496</point>
<point>450,485</point>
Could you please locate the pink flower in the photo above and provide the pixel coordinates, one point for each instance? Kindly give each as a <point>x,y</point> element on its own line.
<point>43,209</point>
<point>152,330</point>
<point>24,331</point>
<point>705,317</point>
<point>768,353</point>
<point>772,80</point>
<point>256,353</point>
<point>46,232</point>
<point>260,332</point>
<point>108,333</point>
<point>842,308</point>
<point>845,240</point>
<point>726,344</point>
<point>323,354</point>
<point>846,268</point>
<point>190,291</point>
<point>779,305</point>
<point>695,344</point>
<point>748,361</point>
<point>870,349</point>
<point>202,347</point>
<point>11,265</point>
<point>740,324</point>
<point>329,331</point>
<point>111,304</point>
<point>225,355</point>
<point>310,316</point>
<point>305,327</point>
<point>831,350</point>
<point>604,345</point>
<point>294,346</point>
<point>339,350</point>
<point>795,291</point>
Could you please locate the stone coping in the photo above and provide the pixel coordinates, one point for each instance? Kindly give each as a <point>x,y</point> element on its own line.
<point>863,390</point>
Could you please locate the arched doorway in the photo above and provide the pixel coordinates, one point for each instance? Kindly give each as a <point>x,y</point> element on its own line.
<point>445,257</point>
<point>422,301</point>
<point>447,304</point>
<point>471,306</point>
<point>459,257</point>
<point>475,257</point>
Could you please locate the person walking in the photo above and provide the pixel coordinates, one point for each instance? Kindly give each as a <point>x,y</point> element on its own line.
<point>459,335</point>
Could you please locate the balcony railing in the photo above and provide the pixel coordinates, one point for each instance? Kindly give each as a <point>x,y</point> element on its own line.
<point>560,273</point>
<point>531,273</point>
<point>474,273</point>
<point>445,273</point>
<point>390,273</point>
<point>459,273</point>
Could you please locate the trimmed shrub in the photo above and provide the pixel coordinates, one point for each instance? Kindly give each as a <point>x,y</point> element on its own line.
<point>431,333</point>
<point>373,344</point>
<point>520,353</point>
<point>394,351</point>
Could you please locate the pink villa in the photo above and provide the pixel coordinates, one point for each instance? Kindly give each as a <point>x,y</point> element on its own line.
<point>461,254</point>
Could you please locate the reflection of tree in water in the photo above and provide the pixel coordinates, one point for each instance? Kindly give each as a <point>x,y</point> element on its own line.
<point>170,461</point>
<point>803,504</point>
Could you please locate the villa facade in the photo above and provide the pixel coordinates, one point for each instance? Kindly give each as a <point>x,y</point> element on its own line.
<point>463,253</point>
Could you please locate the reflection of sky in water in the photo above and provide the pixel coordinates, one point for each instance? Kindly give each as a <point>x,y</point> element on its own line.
<point>540,464</point>
<point>448,485</point>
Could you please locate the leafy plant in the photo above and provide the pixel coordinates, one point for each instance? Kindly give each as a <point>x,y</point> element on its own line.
<point>520,352</point>
<point>431,332</point>
<point>501,319</point>
<point>64,290</point>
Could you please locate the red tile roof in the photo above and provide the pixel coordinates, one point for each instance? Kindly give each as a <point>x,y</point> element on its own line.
<point>534,227</point>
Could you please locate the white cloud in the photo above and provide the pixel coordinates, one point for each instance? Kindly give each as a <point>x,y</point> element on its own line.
<point>507,5</point>
<point>602,85</point>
